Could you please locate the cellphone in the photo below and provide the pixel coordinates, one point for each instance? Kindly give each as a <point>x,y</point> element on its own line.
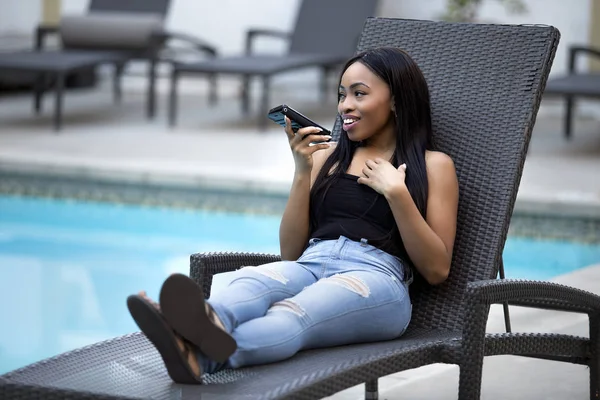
<point>278,114</point>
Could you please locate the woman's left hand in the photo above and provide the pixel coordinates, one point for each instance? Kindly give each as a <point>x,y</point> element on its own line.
<point>382,177</point>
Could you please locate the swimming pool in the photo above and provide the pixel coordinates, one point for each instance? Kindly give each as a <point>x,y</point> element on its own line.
<point>66,267</point>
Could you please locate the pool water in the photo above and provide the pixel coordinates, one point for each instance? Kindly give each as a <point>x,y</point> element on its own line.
<point>67,267</point>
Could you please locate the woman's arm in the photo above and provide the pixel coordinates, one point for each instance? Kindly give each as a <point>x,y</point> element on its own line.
<point>295,228</point>
<point>429,242</point>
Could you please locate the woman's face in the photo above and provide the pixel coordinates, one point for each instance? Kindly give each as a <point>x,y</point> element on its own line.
<point>365,103</point>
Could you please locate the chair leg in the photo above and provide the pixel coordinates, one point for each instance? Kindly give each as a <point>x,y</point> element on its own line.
<point>60,84</point>
<point>473,351</point>
<point>117,89</point>
<point>371,390</point>
<point>469,383</point>
<point>38,93</point>
<point>264,103</point>
<point>246,94</point>
<point>505,304</point>
<point>595,360</point>
<point>173,98</point>
<point>151,95</point>
<point>569,116</point>
<point>212,90</point>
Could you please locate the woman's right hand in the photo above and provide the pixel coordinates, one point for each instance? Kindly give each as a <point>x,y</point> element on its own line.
<point>300,145</point>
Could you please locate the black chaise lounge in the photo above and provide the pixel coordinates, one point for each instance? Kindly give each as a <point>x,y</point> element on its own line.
<point>111,32</point>
<point>575,84</point>
<point>325,34</point>
<point>486,83</point>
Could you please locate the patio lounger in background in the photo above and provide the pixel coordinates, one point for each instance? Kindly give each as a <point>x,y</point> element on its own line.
<point>55,67</point>
<point>324,36</point>
<point>575,84</point>
<point>111,32</point>
<point>471,69</point>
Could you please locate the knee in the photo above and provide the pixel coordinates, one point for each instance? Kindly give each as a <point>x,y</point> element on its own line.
<point>271,272</point>
<point>289,306</point>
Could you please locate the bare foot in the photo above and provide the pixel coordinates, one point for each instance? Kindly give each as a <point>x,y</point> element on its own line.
<point>184,347</point>
<point>213,317</point>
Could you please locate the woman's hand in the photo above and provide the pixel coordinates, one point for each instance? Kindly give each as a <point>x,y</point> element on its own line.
<point>300,145</point>
<point>382,177</point>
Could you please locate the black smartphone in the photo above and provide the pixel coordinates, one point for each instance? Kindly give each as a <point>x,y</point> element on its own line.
<point>298,120</point>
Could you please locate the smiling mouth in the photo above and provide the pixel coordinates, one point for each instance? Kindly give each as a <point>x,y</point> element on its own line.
<point>349,123</point>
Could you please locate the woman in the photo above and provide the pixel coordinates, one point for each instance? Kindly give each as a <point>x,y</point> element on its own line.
<point>361,216</point>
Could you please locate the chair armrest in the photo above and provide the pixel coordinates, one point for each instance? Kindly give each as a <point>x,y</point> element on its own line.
<point>547,295</point>
<point>253,33</point>
<point>204,265</point>
<point>197,44</point>
<point>481,294</point>
<point>41,32</point>
<point>574,51</point>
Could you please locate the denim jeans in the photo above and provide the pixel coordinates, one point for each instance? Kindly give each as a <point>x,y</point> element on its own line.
<point>338,292</point>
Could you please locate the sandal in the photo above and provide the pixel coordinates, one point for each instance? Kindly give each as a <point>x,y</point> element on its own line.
<point>183,306</point>
<point>155,327</point>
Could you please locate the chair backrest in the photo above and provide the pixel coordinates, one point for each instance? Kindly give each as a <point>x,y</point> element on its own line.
<point>330,26</point>
<point>486,83</point>
<point>160,7</point>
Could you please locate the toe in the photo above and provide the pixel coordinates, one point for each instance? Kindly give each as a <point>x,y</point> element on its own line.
<point>188,351</point>
<point>148,299</point>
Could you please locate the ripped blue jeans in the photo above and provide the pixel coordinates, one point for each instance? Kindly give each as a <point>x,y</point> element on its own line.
<point>338,292</point>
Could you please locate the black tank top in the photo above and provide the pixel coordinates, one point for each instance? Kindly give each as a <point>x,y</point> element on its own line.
<point>356,211</point>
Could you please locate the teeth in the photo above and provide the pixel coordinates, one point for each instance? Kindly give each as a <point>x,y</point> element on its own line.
<point>349,121</point>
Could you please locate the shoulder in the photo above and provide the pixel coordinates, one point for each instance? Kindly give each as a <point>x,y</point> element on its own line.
<point>438,160</point>
<point>439,163</point>
<point>440,169</point>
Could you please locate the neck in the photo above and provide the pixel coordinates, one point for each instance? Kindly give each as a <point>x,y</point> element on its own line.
<point>383,142</point>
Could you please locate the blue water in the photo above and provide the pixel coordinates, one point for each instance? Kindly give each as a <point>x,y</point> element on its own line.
<point>66,268</point>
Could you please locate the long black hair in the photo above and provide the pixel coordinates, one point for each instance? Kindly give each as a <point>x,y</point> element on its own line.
<point>412,117</point>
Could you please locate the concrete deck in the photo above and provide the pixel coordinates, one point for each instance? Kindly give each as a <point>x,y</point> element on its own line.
<point>218,147</point>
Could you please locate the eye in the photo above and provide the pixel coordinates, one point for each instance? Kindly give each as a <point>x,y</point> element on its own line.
<point>341,96</point>
<point>358,93</point>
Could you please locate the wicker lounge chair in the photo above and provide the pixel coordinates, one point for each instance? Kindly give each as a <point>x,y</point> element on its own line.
<point>575,84</point>
<point>486,82</point>
<point>111,32</point>
<point>315,42</point>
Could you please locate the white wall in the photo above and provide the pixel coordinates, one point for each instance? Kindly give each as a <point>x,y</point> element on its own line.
<point>19,16</point>
<point>226,29</point>
<point>570,17</point>
<point>226,24</point>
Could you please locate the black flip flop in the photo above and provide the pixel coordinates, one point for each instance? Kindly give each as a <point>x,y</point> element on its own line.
<point>183,306</point>
<point>153,325</point>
